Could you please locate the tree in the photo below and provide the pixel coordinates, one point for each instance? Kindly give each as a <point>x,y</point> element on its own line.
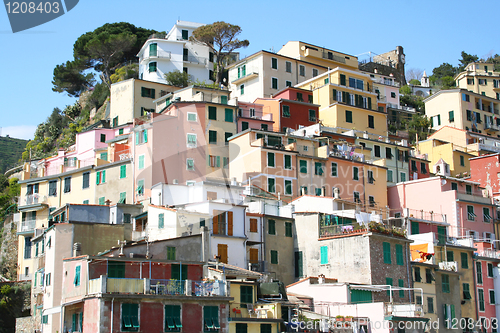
<point>445,69</point>
<point>418,125</point>
<point>413,74</point>
<point>126,72</point>
<point>415,82</point>
<point>178,78</point>
<point>405,90</point>
<point>221,38</point>
<point>72,111</point>
<point>466,59</point>
<point>103,50</point>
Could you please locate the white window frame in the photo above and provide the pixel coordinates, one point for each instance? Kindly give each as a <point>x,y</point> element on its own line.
<point>195,116</point>
<point>267,160</point>
<point>191,145</point>
<point>284,164</point>
<point>277,83</point>
<point>187,164</point>
<point>267,184</point>
<point>336,170</point>
<point>288,63</point>
<point>302,70</point>
<point>277,67</point>
<point>291,186</point>
<point>401,174</point>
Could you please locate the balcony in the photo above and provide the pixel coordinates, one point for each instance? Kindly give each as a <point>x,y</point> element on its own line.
<point>403,310</point>
<point>490,127</point>
<point>489,254</point>
<point>34,199</point>
<point>260,207</point>
<point>451,266</point>
<point>26,226</point>
<point>160,54</point>
<point>195,60</point>
<point>252,311</point>
<point>387,82</point>
<point>247,113</point>
<point>105,285</point>
<point>481,199</point>
<point>239,77</point>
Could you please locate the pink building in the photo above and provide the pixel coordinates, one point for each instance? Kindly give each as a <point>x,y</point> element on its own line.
<point>459,205</point>
<point>486,270</point>
<point>485,170</point>
<point>251,115</point>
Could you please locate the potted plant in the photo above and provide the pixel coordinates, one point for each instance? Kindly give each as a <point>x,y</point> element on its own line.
<point>339,318</point>
<point>348,318</point>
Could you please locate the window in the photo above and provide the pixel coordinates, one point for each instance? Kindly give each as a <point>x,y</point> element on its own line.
<point>464,259</point>
<point>315,72</point>
<point>465,97</point>
<point>286,111</point>
<point>270,160</point>
<point>415,228</point>
<point>171,253</point>
<point>318,168</point>
<point>244,125</point>
<point>388,281</point>
<point>288,67</point>
<point>288,187</point>
<point>173,318</point>
<point>288,162</point>
<point>288,229</point>
<point>190,164</point>
<point>451,116</point>
<point>228,113</point>
<point>76,280</point>
<point>371,180</point>
<point>288,83</point>
<point>348,116</point>
<point>401,284</point>
<point>146,92</point>
<point>416,271</point>
<point>263,127</point>
<point>211,318</point>
<point>387,252</point>
<point>212,137</point>
<point>445,283</point>
<point>312,115</point>
<point>324,255</point>
<point>388,153</point>
<point>355,173</point>
<point>271,227</point>
<point>185,34</point>
<point>342,80</point>
<point>490,269</point>
<point>402,176</point>
<point>152,66</point>
<point>213,161</point>
<point>430,305</point>
<point>141,137</point>
<point>123,197</point>
<point>103,138</point>
<point>371,122</point>
<point>274,83</point>
<point>468,189</point>
<point>45,319</point>
<point>123,171</point>
<point>334,169</point>
<point>492,297</point>
<point>130,317</point>
<point>376,150</point>
<point>161,221</point>
<point>47,279</point>
<point>253,225</point>
<point>486,214</point>
<point>67,184</point>
<point>274,63</point>
<point>302,70</point>
<point>271,185</point>
<point>212,113</point>
<point>140,187</point>
<point>303,166</point>
<point>127,218</point>
<point>470,213</point>
<point>466,291</point>
<point>192,116</point>
<point>298,264</point>
<point>480,293</point>
<point>274,257</point>
<point>399,254</point>
<point>86,180</point>
<point>246,294</point>
<point>423,168</point>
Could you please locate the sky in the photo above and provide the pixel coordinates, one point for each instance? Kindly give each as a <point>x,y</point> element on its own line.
<point>431,33</point>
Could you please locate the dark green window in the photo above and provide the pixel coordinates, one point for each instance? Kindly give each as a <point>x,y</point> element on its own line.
<point>312,115</point>
<point>286,111</point>
<point>179,272</point>
<point>445,283</point>
<point>454,186</point>
<point>371,122</point>
<point>430,305</point>
<point>271,227</point>
<point>462,160</point>
<point>86,180</point>
<point>228,115</point>
<point>288,162</point>
<point>270,160</point>
<point>417,276</point>
<point>152,66</point>
<point>388,281</point>
<point>185,34</point>
<point>271,185</point>
<point>130,317</point>
<point>318,168</point>
<point>274,63</point>
<point>246,294</point>
<point>303,166</point>
<point>387,252</point>
<point>274,83</point>
<point>116,269</point>
<point>451,116</point>
<point>266,328</point>
<point>153,50</point>
<point>401,284</point>
<point>146,92</point>
<point>490,269</point>
<point>355,173</point>
<point>212,113</point>
<point>466,289</point>
<point>288,229</point>
<point>227,135</point>
<point>76,281</point>
<point>173,318</point>
<point>123,171</point>
<point>274,257</point>
<point>244,125</point>
<point>480,293</point>
<point>399,254</point>
<point>298,264</point>
<point>211,318</point>
<point>415,228</point>
<point>334,170</point>
<point>241,328</point>
<point>428,276</point>
<point>212,137</point>
<point>464,259</point>
<point>441,235</point>
<point>348,116</point>
<point>223,100</point>
<point>479,272</point>
<point>342,80</point>
<point>450,256</point>
<point>288,187</point>
<point>170,253</point>
<point>361,296</point>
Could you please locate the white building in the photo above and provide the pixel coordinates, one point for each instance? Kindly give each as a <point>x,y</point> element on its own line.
<point>166,53</point>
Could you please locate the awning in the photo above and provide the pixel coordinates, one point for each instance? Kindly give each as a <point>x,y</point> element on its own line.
<point>140,216</point>
<point>398,318</point>
<point>366,288</point>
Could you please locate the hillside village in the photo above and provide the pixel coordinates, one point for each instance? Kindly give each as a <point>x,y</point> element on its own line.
<point>279,203</point>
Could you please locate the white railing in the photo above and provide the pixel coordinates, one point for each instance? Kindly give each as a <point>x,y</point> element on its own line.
<point>25,226</point>
<point>32,199</point>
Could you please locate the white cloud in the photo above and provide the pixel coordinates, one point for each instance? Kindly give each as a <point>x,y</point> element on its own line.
<point>26,132</point>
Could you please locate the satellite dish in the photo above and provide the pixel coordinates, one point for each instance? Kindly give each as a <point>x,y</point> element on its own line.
<point>443,182</point>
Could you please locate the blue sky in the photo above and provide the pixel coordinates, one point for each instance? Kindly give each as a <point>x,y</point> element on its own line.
<point>431,32</point>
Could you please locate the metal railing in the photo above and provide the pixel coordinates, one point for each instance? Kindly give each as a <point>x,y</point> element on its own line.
<point>26,226</point>
<point>36,198</point>
<point>254,310</point>
<point>159,54</point>
<point>195,60</point>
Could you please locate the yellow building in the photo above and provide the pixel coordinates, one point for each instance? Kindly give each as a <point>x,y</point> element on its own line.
<point>481,79</point>
<point>464,109</point>
<point>347,100</point>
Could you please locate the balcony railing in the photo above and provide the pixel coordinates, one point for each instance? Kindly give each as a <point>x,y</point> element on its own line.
<point>195,60</point>
<point>386,82</point>
<point>241,76</point>
<point>158,287</point>
<point>26,226</point>
<point>489,253</point>
<point>490,126</point>
<point>479,198</point>
<point>451,266</point>
<point>33,199</point>
<point>159,54</point>
<point>403,310</point>
<point>252,310</point>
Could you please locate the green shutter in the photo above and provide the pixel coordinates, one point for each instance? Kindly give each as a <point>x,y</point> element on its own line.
<point>123,171</point>
<point>464,258</point>
<point>218,161</point>
<point>342,79</point>
<point>369,103</point>
<point>103,173</point>
<point>98,177</point>
<point>153,50</point>
<point>298,264</point>
<point>76,281</point>
<point>270,159</point>
<point>415,228</point>
<point>387,252</point>
<point>303,166</point>
<point>272,227</point>
<point>324,255</point>
<point>399,254</point>
<point>388,281</point>
<point>137,138</point>
<point>401,283</point>
<point>288,161</point>
<point>228,115</point>
<point>160,221</point>
<point>145,133</point>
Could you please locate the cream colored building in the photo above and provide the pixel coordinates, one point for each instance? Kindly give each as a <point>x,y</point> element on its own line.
<point>480,78</point>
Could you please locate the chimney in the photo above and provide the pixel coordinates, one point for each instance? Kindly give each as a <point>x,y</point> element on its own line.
<point>77,249</point>
<point>321,279</point>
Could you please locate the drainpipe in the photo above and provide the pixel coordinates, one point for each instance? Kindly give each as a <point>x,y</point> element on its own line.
<point>60,194</point>
<point>474,272</point>
<point>408,274</point>
<point>112,303</point>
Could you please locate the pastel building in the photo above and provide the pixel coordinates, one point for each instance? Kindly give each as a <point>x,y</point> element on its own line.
<point>263,74</point>
<point>251,115</point>
<point>291,108</point>
<point>347,100</point>
<point>487,289</point>
<point>162,54</point>
<point>480,78</point>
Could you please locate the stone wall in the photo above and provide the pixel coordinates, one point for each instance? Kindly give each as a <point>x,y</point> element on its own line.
<point>25,325</point>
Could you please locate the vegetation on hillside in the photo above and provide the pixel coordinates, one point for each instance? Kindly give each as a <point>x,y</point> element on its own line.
<point>10,152</point>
